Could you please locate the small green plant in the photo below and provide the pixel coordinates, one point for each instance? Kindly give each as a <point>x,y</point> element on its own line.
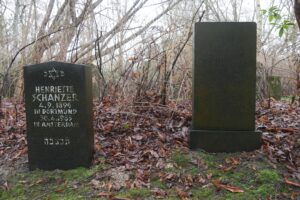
<point>157,183</point>
<point>138,193</point>
<point>210,160</point>
<point>275,19</point>
<point>264,191</point>
<point>57,184</point>
<point>193,170</point>
<point>126,126</point>
<point>78,173</point>
<point>273,13</point>
<point>14,192</point>
<point>202,193</point>
<point>181,159</point>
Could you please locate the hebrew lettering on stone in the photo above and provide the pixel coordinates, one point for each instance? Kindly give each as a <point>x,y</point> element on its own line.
<point>48,141</point>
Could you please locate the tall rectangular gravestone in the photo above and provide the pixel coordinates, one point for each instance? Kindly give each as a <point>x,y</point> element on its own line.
<point>58,101</point>
<point>224,77</point>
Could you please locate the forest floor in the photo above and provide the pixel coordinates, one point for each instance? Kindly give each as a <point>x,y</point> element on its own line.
<point>142,153</point>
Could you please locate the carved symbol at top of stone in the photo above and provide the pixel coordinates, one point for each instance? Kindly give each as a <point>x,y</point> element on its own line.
<point>54,74</point>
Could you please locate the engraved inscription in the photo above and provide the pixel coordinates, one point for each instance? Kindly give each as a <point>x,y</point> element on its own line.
<point>48,141</point>
<point>54,74</point>
<point>54,104</point>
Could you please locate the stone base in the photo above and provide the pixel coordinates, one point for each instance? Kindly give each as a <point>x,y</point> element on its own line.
<point>225,141</point>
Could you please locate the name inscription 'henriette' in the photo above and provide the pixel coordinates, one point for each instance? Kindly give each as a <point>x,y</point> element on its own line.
<point>55,89</point>
<point>54,93</point>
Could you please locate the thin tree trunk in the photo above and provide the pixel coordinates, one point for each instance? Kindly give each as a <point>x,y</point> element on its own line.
<point>234,8</point>
<point>259,23</point>
<point>297,14</point>
<point>168,74</point>
<point>297,11</point>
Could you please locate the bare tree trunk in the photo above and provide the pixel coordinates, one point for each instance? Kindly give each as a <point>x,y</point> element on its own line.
<point>24,32</point>
<point>163,91</point>
<point>259,24</point>
<point>15,25</point>
<point>297,11</point>
<point>234,8</point>
<point>297,14</point>
<point>40,46</point>
<point>52,33</point>
<point>167,75</point>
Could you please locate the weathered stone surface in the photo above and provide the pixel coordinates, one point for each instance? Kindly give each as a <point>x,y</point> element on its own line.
<point>275,87</point>
<point>58,101</point>
<point>225,141</point>
<point>224,78</point>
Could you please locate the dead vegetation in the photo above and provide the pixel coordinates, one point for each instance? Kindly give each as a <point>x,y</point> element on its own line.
<point>141,151</point>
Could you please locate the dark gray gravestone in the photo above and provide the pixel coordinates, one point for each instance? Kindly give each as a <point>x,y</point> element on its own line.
<point>224,87</point>
<point>58,101</point>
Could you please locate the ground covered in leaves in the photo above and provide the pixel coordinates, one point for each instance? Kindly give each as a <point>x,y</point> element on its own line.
<point>142,153</point>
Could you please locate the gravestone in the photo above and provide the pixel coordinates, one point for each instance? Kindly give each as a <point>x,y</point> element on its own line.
<point>275,87</point>
<point>224,73</point>
<point>58,101</point>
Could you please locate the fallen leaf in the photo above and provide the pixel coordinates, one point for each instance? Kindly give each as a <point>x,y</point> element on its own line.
<point>60,190</point>
<point>272,129</point>
<point>97,147</point>
<point>187,180</point>
<point>291,183</point>
<point>20,153</point>
<point>170,176</point>
<point>295,195</point>
<point>103,194</point>
<point>137,137</point>
<point>159,193</point>
<point>109,186</point>
<point>200,180</point>
<point>263,119</point>
<point>230,188</point>
<point>39,181</point>
<point>162,137</point>
<point>227,169</point>
<point>182,194</point>
<point>158,124</point>
<point>96,184</point>
<point>208,176</point>
<point>6,186</point>
<point>288,130</point>
<point>235,161</point>
<point>118,198</point>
